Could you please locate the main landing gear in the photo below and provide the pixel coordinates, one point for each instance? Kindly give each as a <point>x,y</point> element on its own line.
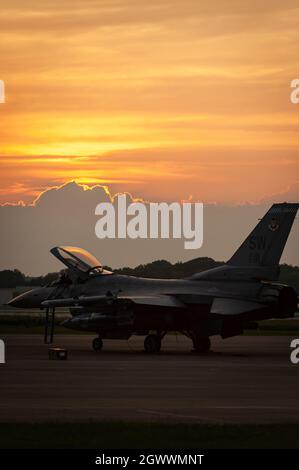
<point>97,344</point>
<point>152,344</point>
<point>201,344</point>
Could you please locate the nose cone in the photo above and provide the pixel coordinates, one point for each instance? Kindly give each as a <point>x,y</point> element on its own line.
<point>30,299</point>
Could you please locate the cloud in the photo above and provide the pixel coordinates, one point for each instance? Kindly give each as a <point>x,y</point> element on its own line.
<point>65,215</point>
<point>228,174</point>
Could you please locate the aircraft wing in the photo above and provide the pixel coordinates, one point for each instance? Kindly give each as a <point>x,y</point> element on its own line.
<point>159,300</point>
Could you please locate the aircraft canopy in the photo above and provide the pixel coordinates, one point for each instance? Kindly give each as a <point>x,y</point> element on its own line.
<point>78,259</point>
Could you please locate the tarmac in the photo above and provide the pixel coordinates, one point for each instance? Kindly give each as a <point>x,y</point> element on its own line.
<point>246,379</point>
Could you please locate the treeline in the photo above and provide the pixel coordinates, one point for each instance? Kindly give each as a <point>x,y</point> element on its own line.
<point>157,269</point>
<point>290,275</point>
<point>12,278</point>
<point>165,270</point>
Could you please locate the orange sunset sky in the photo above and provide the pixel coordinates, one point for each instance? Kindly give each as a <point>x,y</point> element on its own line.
<point>162,98</point>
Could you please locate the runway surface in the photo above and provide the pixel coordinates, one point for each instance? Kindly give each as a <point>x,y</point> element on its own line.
<point>242,380</point>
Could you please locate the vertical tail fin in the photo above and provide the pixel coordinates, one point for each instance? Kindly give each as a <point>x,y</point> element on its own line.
<point>265,244</point>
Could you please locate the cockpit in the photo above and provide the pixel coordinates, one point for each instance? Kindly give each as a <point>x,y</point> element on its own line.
<point>79,261</point>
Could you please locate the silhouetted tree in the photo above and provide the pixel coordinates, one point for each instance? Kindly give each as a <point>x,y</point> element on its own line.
<point>9,278</point>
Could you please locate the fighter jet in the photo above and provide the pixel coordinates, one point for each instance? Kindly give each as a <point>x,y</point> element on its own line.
<point>220,301</point>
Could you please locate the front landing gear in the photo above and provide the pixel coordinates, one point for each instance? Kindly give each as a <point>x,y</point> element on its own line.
<point>201,344</point>
<point>152,344</point>
<point>97,344</point>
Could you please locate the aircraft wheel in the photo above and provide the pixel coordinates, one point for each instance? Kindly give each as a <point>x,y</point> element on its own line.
<point>201,345</point>
<point>97,344</point>
<point>152,344</point>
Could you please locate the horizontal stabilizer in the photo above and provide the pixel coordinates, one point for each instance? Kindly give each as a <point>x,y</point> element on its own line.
<point>224,306</point>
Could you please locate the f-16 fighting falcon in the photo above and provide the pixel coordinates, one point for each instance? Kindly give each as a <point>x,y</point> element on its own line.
<point>220,301</point>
